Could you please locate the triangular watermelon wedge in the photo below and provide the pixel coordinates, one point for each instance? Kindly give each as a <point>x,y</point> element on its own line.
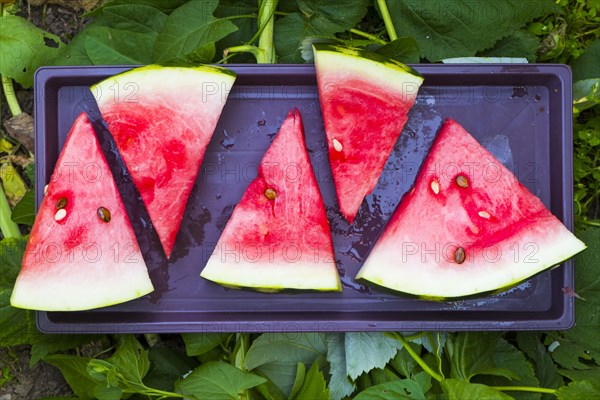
<point>82,252</point>
<point>162,119</point>
<point>278,236</point>
<point>365,99</point>
<point>467,227</point>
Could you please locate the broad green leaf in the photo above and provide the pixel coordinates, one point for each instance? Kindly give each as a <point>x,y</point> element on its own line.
<point>105,45</point>
<point>131,358</point>
<point>298,381</point>
<point>190,30</point>
<point>545,369</point>
<point>587,285</point>
<point>74,53</point>
<point>276,355</point>
<point>270,391</point>
<point>132,18</point>
<point>199,343</point>
<point>518,44</point>
<point>74,370</point>
<point>339,383</point>
<point>578,391</point>
<point>403,49</point>
<point>586,94</point>
<point>459,27</point>
<point>45,344</point>
<point>321,18</point>
<point>591,375</point>
<point>11,254</point>
<point>24,210</point>
<point>382,375</point>
<point>314,386</point>
<point>23,48</point>
<point>108,392</point>
<point>568,354</point>
<point>13,321</point>
<point>247,27</point>
<point>368,350</point>
<point>166,367</point>
<point>509,357</point>
<point>472,353</point>
<point>217,380</point>
<point>399,389</point>
<point>455,389</point>
<point>586,66</point>
<point>403,363</point>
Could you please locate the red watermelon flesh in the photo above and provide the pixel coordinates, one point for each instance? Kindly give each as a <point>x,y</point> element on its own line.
<point>278,236</point>
<point>365,99</point>
<point>162,121</point>
<point>74,259</point>
<point>467,227</point>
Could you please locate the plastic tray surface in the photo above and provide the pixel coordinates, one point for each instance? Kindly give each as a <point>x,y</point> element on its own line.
<point>521,113</point>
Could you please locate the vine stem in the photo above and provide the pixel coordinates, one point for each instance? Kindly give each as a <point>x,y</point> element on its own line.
<point>7,84</point>
<point>387,19</point>
<point>266,23</point>
<point>418,358</point>
<point>524,389</point>
<point>368,36</point>
<point>591,223</point>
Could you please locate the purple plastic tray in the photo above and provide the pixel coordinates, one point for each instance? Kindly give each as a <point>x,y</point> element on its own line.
<point>522,113</point>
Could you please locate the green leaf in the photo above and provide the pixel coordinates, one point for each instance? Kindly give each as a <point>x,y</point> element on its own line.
<point>143,19</point>
<point>298,381</point>
<point>456,28</point>
<point>578,391</point>
<point>398,389</point>
<point>518,44</point>
<point>14,186</point>
<point>247,27</point>
<point>11,255</point>
<point>74,53</point>
<point>166,366</point>
<point>368,350</point>
<point>403,49</point>
<point>545,369</point>
<point>321,18</point>
<point>586,66</point>
<point>472,353</point>
<point>456,389</point>
<point>339,383</point>
<point>105,45</point>
<point>587,285</point>
<point>568,355</point>
<point>131,358</point>
<point>44,344</point>
<point>24,48</point>
<point>403,363</point>
<point>199,343</point>
<point>217,380</point>
<point>276,355</point>
<point>74,370</point>
<point>166,6</point>
<point>13,321</point>
<point>507,356</point>
<point>591,375</point>
<point>586,94</point>
<point>314,386</point>
<point>191,31</point>
<point>24,210</point>
<point>382,375</point>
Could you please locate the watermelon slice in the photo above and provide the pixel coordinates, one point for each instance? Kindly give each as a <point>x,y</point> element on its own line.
<point>82,252</point>
<point>467,227</point>
<point>162,119</point>
<point>365,99</point>
<point>278,236</point>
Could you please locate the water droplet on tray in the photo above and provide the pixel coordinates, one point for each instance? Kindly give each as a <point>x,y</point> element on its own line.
<point>228,142</point>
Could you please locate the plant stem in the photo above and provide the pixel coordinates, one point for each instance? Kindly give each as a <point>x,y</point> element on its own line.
<point>368,36</point>
<point>7,226</point>
<point>11,98</point>
<point>418,358</point>
<point>524,389</point>
<point>246,48</point>
<point>387,19</point>
<point>266,22</point>
<point>591,223</point>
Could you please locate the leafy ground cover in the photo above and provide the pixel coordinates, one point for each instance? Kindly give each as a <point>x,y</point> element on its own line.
<point>309,365</point>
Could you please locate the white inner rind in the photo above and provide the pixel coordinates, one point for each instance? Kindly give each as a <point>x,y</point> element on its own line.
<point>379,74</point>
<point>406,265</point>
<point>61,288</point>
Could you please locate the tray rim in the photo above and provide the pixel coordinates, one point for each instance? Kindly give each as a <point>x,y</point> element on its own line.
<point>349,322</point>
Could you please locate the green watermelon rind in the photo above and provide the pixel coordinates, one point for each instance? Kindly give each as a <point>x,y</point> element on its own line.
<point>363,59</point>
